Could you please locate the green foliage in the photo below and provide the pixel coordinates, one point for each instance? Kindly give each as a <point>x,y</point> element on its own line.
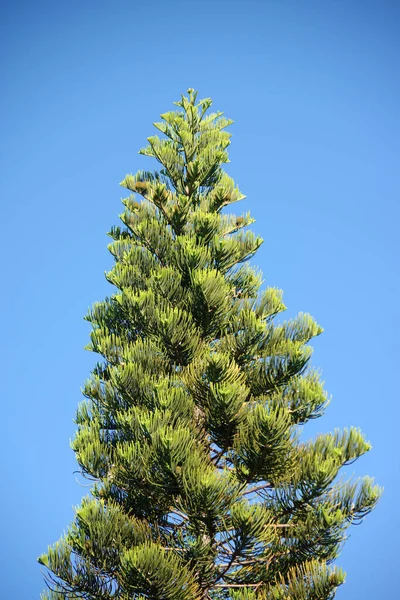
<point>189,427</point>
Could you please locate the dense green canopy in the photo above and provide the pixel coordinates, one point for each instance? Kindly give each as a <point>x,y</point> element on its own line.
<point>189,429</point>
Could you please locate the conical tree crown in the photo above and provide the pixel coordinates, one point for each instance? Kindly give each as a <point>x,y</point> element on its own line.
<point>202,488</point>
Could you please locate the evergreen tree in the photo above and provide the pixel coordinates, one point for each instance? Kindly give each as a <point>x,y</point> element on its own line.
<point>189,430</point>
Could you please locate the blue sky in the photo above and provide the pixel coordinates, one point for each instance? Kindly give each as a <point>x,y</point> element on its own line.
<point>313,88</point>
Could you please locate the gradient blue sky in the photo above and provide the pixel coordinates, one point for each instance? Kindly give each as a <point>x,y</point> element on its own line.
<point>313,87</point>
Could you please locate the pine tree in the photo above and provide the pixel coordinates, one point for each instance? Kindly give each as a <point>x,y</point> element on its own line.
<point>189,427</point>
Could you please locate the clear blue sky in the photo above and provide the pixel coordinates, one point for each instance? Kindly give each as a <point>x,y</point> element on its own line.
<point>313,88</point>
